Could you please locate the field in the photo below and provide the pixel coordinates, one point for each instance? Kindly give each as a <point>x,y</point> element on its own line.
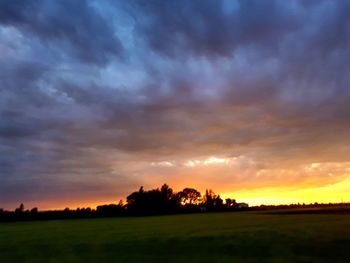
<point>216,237</point>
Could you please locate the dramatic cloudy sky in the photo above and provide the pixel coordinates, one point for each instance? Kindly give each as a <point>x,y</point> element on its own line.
<point>250,98</point>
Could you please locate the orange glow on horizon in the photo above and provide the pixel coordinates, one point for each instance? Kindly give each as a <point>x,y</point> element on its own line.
<point>333,193</point>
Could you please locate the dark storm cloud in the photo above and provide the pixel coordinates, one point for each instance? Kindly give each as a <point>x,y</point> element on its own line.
<point>76,25</point>
<point>91,92</point>
<point>213,27</point>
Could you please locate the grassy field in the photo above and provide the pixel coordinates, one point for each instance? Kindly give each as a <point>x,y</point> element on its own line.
<point>217,237</point>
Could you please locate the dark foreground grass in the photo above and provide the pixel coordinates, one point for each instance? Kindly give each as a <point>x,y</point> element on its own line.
<point>217,237</point>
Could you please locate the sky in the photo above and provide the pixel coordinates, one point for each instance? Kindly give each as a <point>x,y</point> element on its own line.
<point>248,98</point>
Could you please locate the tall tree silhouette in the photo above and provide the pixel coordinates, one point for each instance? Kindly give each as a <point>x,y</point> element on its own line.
<point>212,201</point>
<point>156,201</point>
<point>20,209</point>
<point>190,196</point>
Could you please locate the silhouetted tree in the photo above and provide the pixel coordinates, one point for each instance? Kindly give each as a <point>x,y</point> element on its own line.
<point>155,201</point>
<point>212,201</point>
<point>190,196</point>
<point>110,210</point>
<point>135,200</point>
<point>218,203</point>
<point>209,199</point>
<point>34,210</point>
<point>230,203</point>
<point>20,209</point>
<point>167,192</point>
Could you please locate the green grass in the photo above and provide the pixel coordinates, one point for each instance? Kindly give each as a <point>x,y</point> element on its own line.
<point>217,237</point>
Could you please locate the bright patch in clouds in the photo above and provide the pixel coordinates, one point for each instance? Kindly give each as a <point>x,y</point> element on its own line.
<point>197,162</point>
<point>209,161</point>
<point>163,163</point>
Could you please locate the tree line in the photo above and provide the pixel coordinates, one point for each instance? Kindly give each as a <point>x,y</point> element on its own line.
<point>159,201</point>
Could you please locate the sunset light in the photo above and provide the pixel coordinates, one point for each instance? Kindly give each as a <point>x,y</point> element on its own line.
<point>177,131</point>
<point>95,103</point>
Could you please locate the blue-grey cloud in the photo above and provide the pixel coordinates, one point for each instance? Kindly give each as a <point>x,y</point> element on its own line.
<point>77,27</point>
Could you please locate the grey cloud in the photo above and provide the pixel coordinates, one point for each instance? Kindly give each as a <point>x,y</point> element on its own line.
<point>76,25</point>
<point>268,80</point>
<point>205,28</point>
